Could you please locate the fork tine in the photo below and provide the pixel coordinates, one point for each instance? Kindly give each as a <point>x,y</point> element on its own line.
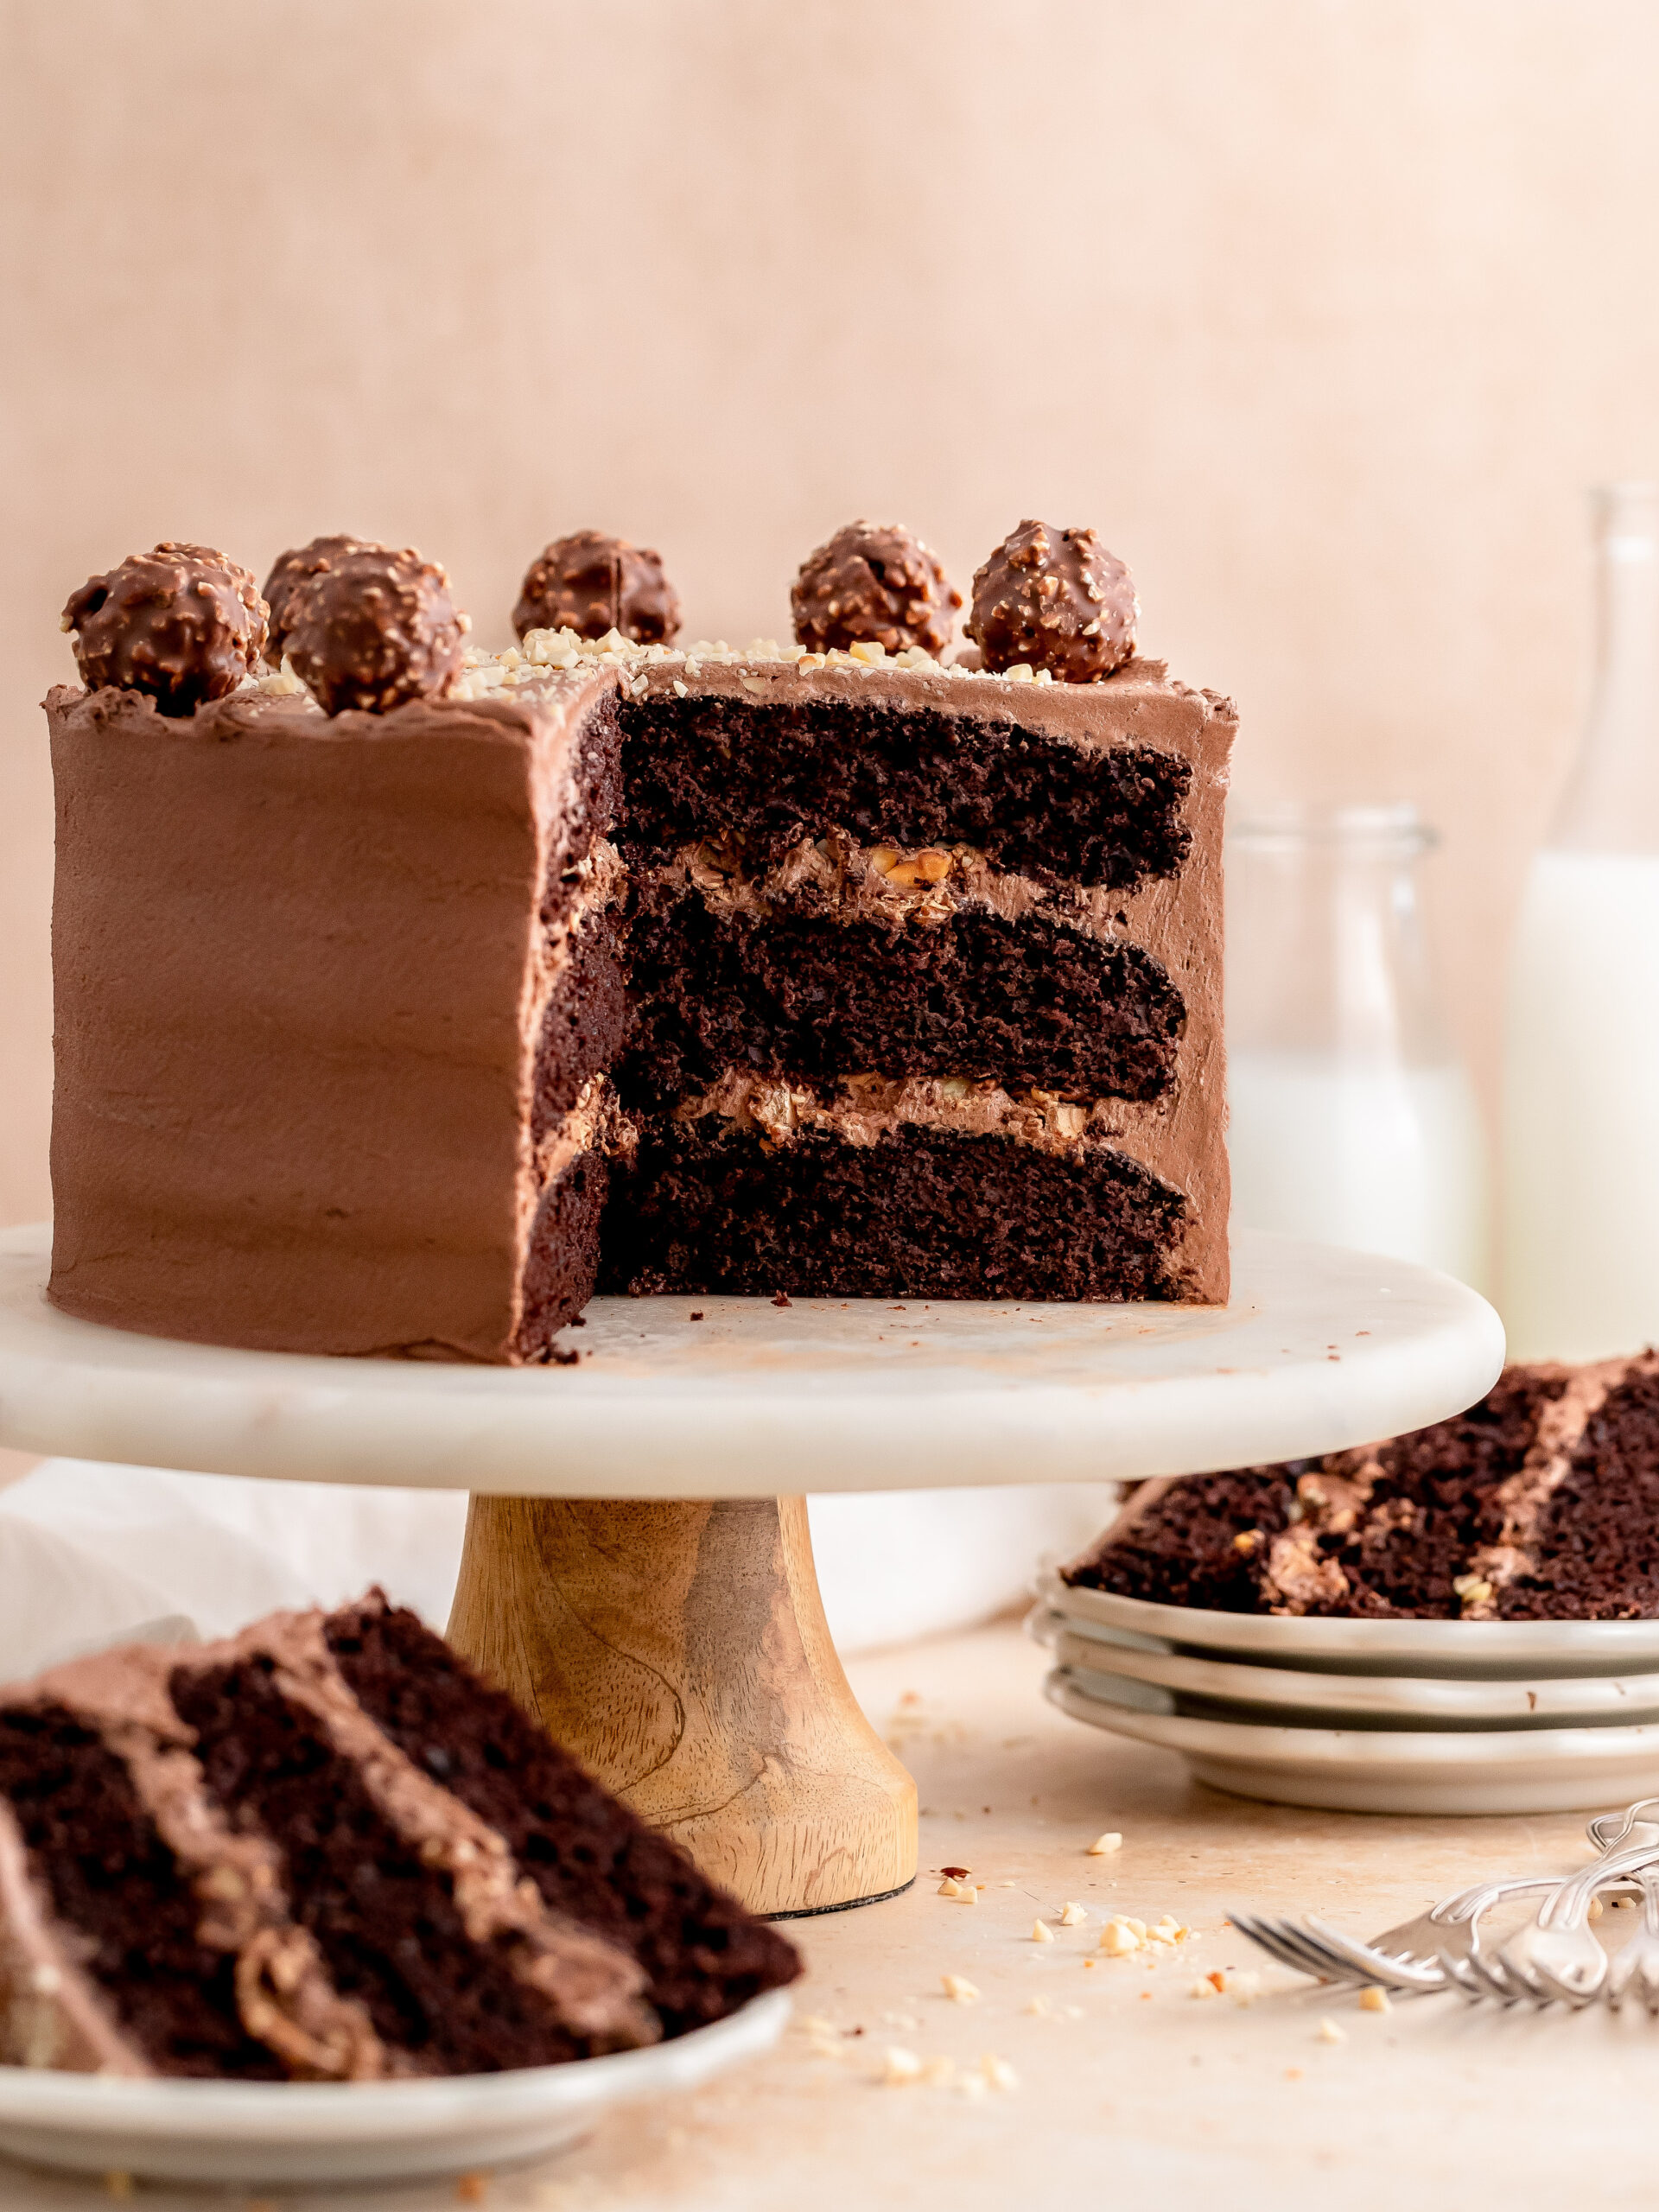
<point>1365,1963</point>
<point>1272,1937</point>
<point>1479,1975</point>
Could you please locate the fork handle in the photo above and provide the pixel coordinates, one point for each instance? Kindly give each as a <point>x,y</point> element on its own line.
<point>1470,1904</point>
<point>1569,1906</point>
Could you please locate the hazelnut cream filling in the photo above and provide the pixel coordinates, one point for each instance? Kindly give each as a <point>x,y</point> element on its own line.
<point>921,886</point>
<point>862,1107</point>
<point>596,1124</point>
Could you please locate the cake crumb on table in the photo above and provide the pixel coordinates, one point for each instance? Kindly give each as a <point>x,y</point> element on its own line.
<point>472,2188</point>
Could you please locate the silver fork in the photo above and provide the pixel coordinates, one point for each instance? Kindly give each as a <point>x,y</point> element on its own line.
<point>1556,1960</point>
<point>1636,1967</point>
<point>1417,1955</point>
<point>1410,1957</point>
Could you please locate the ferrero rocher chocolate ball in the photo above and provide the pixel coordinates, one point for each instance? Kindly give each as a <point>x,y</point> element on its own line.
<point>593,583</point>
<point>374,630</point>
<point>1054,598</point>
<point>291,570</point>
<point>873,584</point>
<point>184,622</point>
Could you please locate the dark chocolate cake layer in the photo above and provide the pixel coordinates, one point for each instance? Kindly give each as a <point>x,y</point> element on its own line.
<point>1539,1503</point>
<point>918,1212</point>
<point>1033,1001</point>
<point>324,1849</point>
<point>774,772</point>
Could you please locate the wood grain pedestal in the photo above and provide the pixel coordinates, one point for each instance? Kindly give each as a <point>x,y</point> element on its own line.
<point>681,1652</point>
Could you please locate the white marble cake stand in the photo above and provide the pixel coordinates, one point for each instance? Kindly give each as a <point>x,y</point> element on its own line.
<point>637,1567</point>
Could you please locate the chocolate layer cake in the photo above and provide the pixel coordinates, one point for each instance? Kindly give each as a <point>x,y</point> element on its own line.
<point>1542,1503</point>
<point>324,1850</point>
<point>398,1028</point>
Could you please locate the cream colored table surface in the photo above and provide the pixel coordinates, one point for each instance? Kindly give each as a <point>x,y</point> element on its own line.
<point>1147,2098</point>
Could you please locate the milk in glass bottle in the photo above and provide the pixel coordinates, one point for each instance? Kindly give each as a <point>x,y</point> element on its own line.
<point>1581,1064</point>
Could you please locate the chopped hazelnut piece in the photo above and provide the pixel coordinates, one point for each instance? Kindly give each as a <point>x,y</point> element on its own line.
<point>959,1989</point>
<point>1103,1846</point>
<point>1041,1932</point>
<point>998,2074</point>
<point>1329,2031</point>
<point>1374,1999</point>
<point>899,2069</point>
<point>1073,1914</point>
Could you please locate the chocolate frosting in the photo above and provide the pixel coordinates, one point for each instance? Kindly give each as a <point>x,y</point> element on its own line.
<point>315,1018</point>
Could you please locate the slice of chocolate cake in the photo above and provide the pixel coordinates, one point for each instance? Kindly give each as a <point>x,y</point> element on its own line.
<point>397,1010</point>
<point>324,1850</point>
<point>1541,1502</point>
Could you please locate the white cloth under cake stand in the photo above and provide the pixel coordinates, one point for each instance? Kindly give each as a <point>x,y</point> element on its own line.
<point>91,1552</point>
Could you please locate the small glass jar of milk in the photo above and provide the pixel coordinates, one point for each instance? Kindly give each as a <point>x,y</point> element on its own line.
<point>1352,1120</point>
<point>1580,1215</point>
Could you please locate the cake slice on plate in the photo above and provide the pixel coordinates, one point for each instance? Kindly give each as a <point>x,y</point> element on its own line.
<point>1539,1503</point>
<point>323,1849</point>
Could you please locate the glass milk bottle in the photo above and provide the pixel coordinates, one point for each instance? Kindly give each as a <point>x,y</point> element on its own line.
<point>1352,1120</point>
<point>1581,1061</point>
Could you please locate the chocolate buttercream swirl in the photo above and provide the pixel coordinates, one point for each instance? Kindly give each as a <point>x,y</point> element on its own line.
<point>294,567</point>
<point>873,583</point>
<point>182,623</point>
<point>1054,598</point>
<point>593,583</point>
<point>373,630</point>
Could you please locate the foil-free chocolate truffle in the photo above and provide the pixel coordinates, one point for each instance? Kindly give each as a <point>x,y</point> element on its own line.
<point>593,584</point>
<point>182,623</point>
<point>291,570</point>
<point>1054,598</point>
<point>873,583</point>
<point>374,630</point>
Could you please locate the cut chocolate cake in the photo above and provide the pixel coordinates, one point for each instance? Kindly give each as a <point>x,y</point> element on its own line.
<point>398,1029</point>
<point>1541,1502</point>
<point>323,1849</point>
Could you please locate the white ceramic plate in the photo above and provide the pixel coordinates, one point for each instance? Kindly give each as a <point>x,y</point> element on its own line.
<point>1386,1770</point>
<point>275,2133</point>
<point>1288,1695</point>
<point>1474,1649</point>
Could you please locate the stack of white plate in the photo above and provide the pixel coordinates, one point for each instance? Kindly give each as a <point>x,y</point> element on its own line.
<point>1368,1716</point>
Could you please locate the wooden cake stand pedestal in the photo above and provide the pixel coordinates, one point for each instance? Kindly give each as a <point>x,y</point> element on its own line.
<point>638,1569</point>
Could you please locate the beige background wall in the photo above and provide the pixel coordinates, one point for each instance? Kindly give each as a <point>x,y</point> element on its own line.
<point>1324,310</point>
